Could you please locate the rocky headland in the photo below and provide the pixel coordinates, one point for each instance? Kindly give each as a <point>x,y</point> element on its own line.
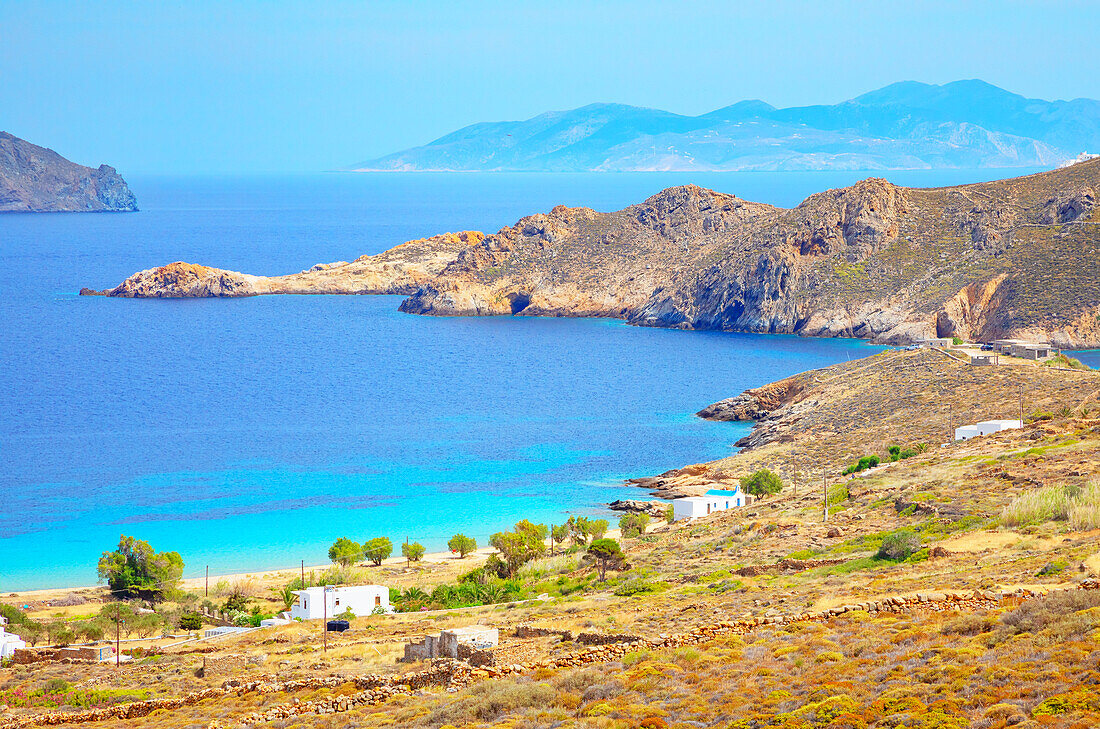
<point>1010,258</point>
<point>34,179</point>
<point>818,422</point>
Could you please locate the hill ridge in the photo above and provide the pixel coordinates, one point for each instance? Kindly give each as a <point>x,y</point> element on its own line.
<point>905,125</point>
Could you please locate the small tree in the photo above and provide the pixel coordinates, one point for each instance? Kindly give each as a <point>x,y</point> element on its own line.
<point>31,632</point>
<point>235,602</point>
<point>608,555</point>
<point>377,550</point>
<point>90,630</point>
<point>582,529</point>
<point>633,525</point>
<point>412,552</point>
<point>558,535</point>
<point>190,622</point>
<point>761,483</point>
<point>345,552</point>
<point>670,514</point>
<point>134,569</point>
<point>462,544</point>
<point>521,545</point>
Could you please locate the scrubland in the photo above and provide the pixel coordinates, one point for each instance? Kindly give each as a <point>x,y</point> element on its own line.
<point>1008,518</point>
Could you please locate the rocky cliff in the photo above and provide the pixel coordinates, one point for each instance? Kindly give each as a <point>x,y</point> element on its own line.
<point>1017,257</point>
<point>35,179</point>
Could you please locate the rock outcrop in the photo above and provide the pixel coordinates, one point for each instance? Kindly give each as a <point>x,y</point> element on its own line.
<point>400,270</point>
<point>35,179</point>
<point>1017,257</point>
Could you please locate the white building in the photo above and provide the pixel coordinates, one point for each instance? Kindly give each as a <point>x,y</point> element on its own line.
<point>9,643</point>
<point>360,599</point>
<point>986,427</point>
<point>693,507</point>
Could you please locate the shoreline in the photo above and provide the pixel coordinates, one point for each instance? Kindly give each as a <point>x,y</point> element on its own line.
<point>473,559</point>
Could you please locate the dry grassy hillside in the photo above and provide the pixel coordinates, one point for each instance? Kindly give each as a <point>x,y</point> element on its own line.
<point>765,616</point>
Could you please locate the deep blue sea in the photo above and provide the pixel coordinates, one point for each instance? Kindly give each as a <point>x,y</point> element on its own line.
<point>250,433</point>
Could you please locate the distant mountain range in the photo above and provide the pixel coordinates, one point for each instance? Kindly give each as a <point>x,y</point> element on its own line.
<point>906,125</point>
<point>35,179</point>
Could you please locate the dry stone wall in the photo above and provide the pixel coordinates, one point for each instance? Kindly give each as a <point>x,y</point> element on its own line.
<point>374,688</point>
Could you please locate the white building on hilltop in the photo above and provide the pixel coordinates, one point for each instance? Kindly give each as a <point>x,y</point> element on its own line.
<point>1083,157</point>
<point>693,507</point>
<point>9,642</point>
<point>360,599</point>
<point>986,427</point>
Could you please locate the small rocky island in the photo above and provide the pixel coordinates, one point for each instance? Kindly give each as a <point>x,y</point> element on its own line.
<point>34,179</point>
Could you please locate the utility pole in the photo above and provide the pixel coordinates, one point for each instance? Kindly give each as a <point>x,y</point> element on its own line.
<point>324,613</point>
<point>207,593</point>
<point>118,641</point>
<point>303,574</point>
<point>825,495</point>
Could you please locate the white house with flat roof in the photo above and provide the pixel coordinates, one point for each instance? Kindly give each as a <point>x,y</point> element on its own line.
<point>315,603</point>
<point>986,427</point>
<point>693,507</point>
<point>9,642</point>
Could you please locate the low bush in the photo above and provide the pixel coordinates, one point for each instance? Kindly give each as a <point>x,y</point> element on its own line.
<point>490,700</point>
<point>968,624</point>
<point>1061,614</point>
<point>1079,506</point>
<point>837,494</point>
<point>638,587</point>
<point>899,545</point>
<point>863,464</point>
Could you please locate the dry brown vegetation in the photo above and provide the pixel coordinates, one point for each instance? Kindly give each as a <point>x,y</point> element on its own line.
<point>1007,662</point>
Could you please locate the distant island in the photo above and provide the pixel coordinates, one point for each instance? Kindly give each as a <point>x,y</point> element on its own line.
<point>1011,258</point>
<point>35,179</point>
<point>906,125</point>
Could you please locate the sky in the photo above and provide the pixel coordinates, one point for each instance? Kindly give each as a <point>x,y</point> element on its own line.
<point>256,87</point>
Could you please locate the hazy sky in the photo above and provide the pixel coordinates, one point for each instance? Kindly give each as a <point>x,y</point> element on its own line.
<point>285,86</point>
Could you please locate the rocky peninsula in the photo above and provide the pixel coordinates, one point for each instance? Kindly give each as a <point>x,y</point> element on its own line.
<point>35,179</point>
<point>1010,258</point>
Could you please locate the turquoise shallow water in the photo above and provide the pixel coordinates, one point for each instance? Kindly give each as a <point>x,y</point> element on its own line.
<point>249,434</point>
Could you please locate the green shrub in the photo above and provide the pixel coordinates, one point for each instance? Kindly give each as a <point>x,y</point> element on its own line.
<point>638,587</point>
<point>837,494</point>
<point>899,545</point>
<point>863,464</point>
<point>55,686</point>
<point>633,525</point>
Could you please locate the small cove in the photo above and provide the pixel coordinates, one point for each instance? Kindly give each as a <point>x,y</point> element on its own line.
<point>248,434</point>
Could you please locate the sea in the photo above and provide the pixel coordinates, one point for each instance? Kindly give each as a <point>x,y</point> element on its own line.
<point>249,434</point>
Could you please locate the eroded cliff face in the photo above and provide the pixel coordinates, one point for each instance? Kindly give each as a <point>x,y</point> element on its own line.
<point>36,179</point>
<point>1006,258</point>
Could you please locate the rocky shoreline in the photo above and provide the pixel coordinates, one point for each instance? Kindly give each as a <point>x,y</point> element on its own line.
<point>1011,258</point>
